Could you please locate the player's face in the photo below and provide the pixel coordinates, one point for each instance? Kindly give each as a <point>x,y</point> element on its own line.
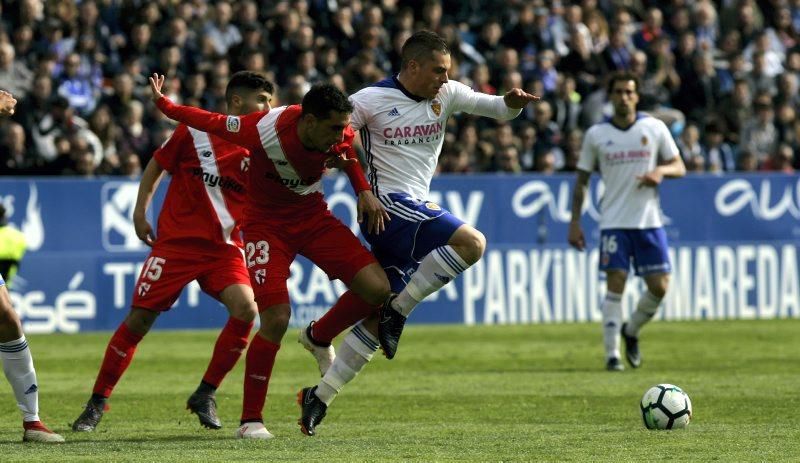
<point>624,97</point>
<point>324,133</point>
<point>255,101</point>
<point>430,74</point>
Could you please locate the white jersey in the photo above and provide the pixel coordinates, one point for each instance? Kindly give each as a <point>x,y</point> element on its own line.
<point>403,134</point>
<point>621,156</point>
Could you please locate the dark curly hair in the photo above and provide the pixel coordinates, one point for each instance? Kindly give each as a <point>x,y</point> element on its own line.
<point>324,98</point>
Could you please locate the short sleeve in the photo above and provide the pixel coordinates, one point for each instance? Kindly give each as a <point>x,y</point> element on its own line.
<point>360,116</point>
<point>168,155</point>
<point>667,149</point>
<point>588,157</point>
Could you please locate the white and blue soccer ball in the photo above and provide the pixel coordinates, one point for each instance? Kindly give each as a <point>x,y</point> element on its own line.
<point>666,406</point>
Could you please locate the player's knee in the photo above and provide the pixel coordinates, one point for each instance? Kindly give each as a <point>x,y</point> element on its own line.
<point>471,246</point>
<point>141,320</point>
<point>245,310</point>
<point>380,289</point>
<point>371,284</point>
<point>275,321</point>
<point>8,317</point>
<point>659,288</point>
<point>615,281</point>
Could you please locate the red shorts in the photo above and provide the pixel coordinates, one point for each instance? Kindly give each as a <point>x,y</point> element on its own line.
<point>166,273</point>
<point>272,245</point>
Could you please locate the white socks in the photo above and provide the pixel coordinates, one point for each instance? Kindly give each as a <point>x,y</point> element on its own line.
<point>352,356</point>
<point>18,367</point>
<point>612,321</point>
<point>645,310</point>
<point>436,270</point>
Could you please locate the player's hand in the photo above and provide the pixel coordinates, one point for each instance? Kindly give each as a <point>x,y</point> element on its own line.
<point>143,230</point>
<point>7,103</point>
<point>650,179</point>
<point>339,161</point>
<point>575,236</point>
<point>517,98</point>
<point>376,215</point>
<point>156,83</point>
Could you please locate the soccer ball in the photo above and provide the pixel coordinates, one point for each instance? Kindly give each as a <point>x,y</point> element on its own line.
<point>666,406</point>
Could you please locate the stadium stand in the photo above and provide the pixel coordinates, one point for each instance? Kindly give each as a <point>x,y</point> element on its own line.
<point>722,74</point>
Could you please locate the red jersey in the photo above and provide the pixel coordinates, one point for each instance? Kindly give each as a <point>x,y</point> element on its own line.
<point>285,177</point>
<point>204,203</point>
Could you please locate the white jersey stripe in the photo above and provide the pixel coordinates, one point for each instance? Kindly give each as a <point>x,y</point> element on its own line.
<point>270,140</point>
<point>208,163</point>
<point>403,215</point>
<point>409,211</point>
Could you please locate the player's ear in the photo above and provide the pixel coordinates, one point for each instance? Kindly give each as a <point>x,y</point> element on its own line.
<point>236,101</point>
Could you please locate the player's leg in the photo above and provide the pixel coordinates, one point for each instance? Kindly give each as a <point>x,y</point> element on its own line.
<point>440,266</point>
<point>160,283</point>
<point>335,249</point>
<point>350,307</point>
<point>18,369</point>
<point>612,317</point>
<point>116,360</point>
<point>339,253</point>
<point>355,352</point>
<point>258,366</point>
<point>268,266</point>
<point>446,247</point>
<point>651,260</point>
<point>615,252</point>
<point>227,280</point>
<point>317,336</point>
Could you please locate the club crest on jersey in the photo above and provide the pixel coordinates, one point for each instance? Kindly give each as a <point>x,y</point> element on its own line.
<point>233,124</point>
<point>245,164</point>
<point>433,206</point>
<point>644,141</point>
<point>260,276</point>
<point>143,289</point>
<point>436,107</point>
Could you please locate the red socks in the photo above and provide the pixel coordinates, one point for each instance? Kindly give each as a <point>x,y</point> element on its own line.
<point>119,354</point>
<point>348,310</point>
<point>232,341</point>
<point>258,370</point>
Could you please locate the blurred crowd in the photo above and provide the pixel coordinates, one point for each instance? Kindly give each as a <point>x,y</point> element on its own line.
<point>722,74</point>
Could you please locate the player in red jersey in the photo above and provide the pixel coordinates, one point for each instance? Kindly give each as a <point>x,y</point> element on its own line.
<point>286,215</point>
<point>198,239</point>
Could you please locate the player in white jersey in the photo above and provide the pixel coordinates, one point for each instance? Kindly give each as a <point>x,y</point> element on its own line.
<point>423,247</point>
<point>633,153</point>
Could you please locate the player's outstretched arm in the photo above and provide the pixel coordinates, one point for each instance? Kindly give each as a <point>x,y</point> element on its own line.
<point>517,98</point>
<point>151,177</point>
<point>575,236</point>
<point>505,107</point>
<point>240,130</point>
<point>7,103</point>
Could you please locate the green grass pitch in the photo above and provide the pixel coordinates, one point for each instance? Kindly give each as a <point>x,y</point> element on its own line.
<point>454,393</point>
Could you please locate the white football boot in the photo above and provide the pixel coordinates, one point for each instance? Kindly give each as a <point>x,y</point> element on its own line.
<point>253,431</point>
<point>323,355</point>
<point>37,432</point>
